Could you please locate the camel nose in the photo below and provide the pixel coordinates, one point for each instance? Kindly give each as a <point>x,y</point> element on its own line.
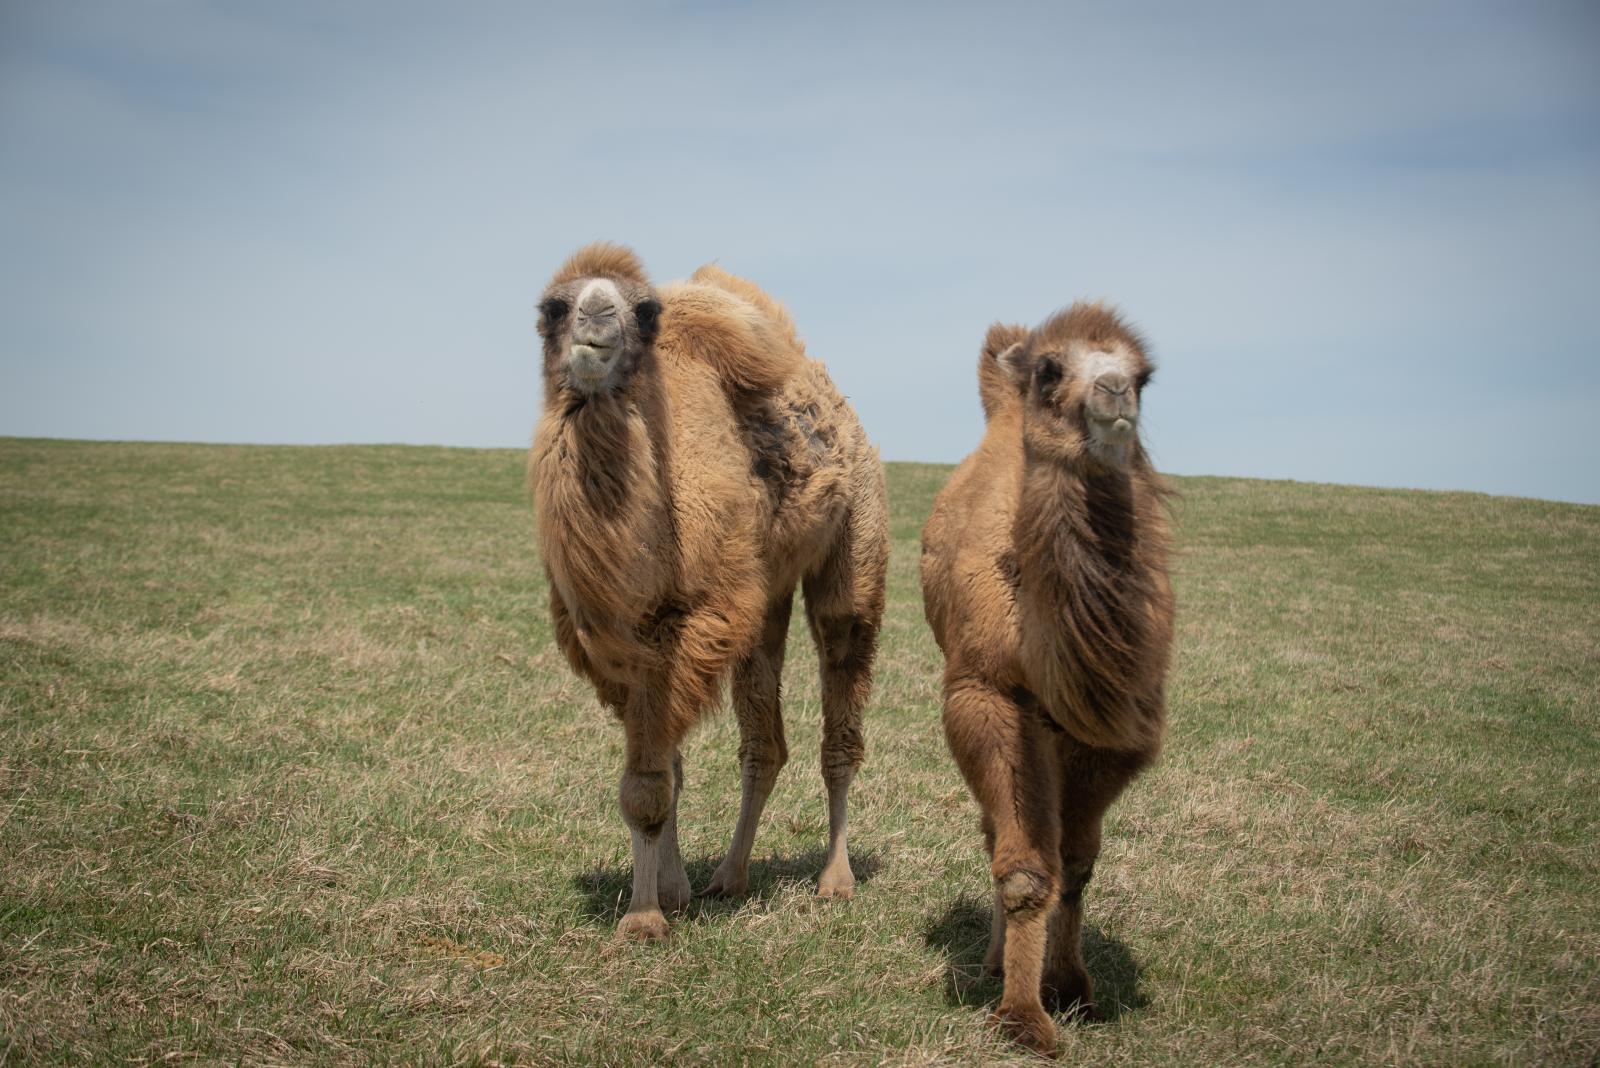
<point>1114,405</point>
<point>597,303</point>
<point>1113,382</point>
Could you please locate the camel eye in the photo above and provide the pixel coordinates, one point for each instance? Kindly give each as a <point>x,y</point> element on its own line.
<point>552,311</point>
<point>1144,378</point>
<point>647,313</point>
<point>1047,374</point>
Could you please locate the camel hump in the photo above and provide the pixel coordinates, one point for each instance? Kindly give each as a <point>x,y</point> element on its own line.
<point>731,325</point>
<point>713,275</point>
<point>602,259</point>
<point>997,388</point>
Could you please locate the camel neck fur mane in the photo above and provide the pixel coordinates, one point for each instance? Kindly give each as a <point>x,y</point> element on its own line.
<point>1091,546</point>
<point>609,446</point>
<point>601,494</point>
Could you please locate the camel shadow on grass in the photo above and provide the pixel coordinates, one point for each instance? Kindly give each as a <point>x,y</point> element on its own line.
<point>606,889</point>
<point>962,934</point>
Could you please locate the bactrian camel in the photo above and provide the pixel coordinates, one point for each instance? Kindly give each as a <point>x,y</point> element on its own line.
<point>1044,577</point>
<point>692,467</point>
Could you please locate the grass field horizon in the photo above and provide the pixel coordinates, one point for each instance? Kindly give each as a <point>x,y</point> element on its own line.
<point>292,772</point>
<point>949,466</point>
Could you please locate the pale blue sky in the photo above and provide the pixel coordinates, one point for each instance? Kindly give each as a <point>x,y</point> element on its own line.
<point>1363,239</point>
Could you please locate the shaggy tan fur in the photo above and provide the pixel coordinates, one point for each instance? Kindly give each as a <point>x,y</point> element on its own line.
<point>1044,580</point>
<point>602,259</point>
<point>679,502</point>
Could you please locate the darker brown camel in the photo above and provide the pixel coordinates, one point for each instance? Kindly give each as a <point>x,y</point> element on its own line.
<point>1044,577</point>
<point>691,468</point>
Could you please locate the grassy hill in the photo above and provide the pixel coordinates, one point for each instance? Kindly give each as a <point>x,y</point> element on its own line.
<point>290,771</point>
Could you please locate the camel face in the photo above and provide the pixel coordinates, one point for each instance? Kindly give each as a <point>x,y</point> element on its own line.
<point>1081,398</point>
<point>596,329</point>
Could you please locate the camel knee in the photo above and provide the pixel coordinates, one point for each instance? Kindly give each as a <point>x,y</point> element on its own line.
<point>1022,891</point>
<point>762,759</point>
<point>846,642</point>
<point>844,747</point>
<point>646,798</point>
<point>833,636</point>
<point>843,750</point>
<point>1075,876</point>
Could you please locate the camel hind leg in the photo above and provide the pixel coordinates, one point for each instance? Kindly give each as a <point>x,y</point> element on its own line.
<point>672,882</point>
<point>762,749</point>
<point>844,606</point>
<point>994,961</point>
<point>1091,779</point>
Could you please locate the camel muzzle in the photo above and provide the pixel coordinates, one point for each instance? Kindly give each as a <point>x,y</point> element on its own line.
<point>1113,408</point>
<point>1115,431</point>
<point>589,363</point>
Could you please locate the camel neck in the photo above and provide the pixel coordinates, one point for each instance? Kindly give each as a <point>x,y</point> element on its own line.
<point>1084,598</point>
<point>611,442</point>
<point>1076,512</point>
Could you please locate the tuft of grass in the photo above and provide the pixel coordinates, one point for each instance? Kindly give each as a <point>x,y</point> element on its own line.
<point>291,772</point>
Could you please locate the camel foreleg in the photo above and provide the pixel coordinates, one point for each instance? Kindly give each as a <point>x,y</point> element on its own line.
<point>1013,774</point>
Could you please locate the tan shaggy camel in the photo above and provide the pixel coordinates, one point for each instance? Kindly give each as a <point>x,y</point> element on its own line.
<point>1044,578</point>
<point>691,467</point>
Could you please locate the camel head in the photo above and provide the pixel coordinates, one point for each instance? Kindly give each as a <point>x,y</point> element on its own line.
<point>1081,373</point>
<point>598,317</point>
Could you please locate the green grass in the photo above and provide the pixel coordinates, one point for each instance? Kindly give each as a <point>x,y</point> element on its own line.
<point>291,772</point>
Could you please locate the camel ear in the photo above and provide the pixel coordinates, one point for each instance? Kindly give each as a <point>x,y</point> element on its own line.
<point>1011,362</point>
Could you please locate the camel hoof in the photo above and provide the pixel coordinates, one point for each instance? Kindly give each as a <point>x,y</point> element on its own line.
<point>725,885</point>
<point>1072,997</point>
<point>1030,1026</point>
<point>643,927</point>
<point>840,885</point>
<point>674,899</point>
<point>1078,1009</point>
<point>673,893</point>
